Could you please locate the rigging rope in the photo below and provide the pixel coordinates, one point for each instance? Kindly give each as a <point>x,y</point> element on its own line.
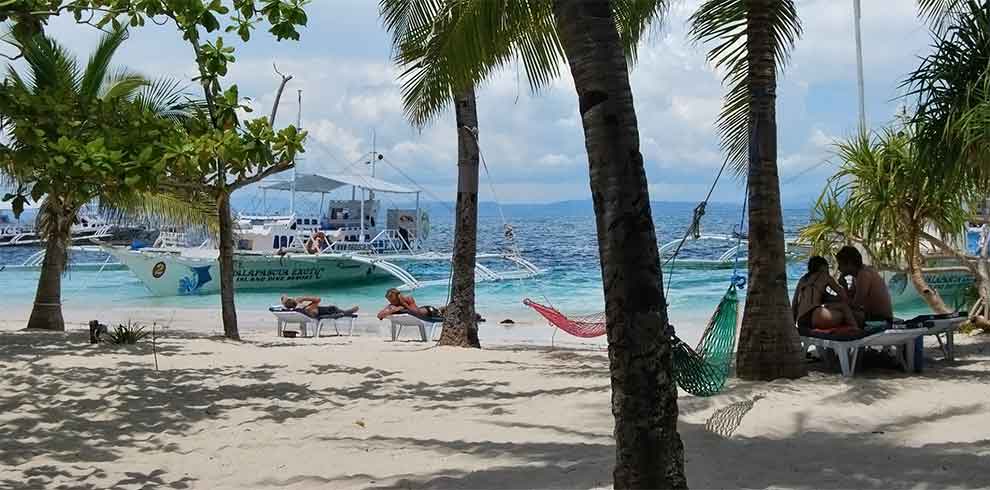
<point>694,229</point>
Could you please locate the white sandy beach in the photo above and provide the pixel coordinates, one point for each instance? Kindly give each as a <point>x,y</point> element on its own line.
<point>361,412</point>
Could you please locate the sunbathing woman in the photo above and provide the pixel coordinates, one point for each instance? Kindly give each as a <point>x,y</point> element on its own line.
<point>814,307</point>
<point>310,305</point>
<point>400,303</point>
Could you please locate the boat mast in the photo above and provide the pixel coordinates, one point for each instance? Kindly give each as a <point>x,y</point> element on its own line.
<point>857,14</point>
<point>292,187</point>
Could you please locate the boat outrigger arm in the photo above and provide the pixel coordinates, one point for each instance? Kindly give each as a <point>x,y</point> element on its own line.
<point>737,243</point>
<point>388,264</point>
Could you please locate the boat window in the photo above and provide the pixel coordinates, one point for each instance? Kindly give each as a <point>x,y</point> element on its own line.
<point>299,221</point>
<point>275,243</point>
<point>285,241</point>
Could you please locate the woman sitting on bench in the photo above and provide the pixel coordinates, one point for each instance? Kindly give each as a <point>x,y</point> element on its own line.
<point>310,305</point>
<point>814,307</point>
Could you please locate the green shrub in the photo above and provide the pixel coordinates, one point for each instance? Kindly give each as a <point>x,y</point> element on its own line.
<point>131,333</point>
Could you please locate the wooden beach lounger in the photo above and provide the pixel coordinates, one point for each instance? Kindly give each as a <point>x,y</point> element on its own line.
<point>284,317</point>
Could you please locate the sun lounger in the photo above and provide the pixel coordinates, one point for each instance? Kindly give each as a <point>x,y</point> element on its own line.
<point>848,349</point>
<point>939,326</point>
<point>285,317</point>
<point>400,320</point>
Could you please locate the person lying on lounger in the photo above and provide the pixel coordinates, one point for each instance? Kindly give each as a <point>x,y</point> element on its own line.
<point>310,305</point>
<point>868,296</point>
<point>814,307</point>
<point>399,303</point>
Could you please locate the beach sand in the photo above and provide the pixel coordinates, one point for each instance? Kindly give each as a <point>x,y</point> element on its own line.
<point>361,412</point>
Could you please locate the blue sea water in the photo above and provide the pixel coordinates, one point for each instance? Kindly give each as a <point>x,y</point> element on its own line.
<point>561,240</point>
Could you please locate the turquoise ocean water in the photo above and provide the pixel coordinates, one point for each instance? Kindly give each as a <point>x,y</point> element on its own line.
<point>563,243</point>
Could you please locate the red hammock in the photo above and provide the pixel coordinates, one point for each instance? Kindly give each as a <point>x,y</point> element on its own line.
<point>583,326</point>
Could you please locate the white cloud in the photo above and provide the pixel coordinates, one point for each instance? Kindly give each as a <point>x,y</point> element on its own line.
<point>534,144</point>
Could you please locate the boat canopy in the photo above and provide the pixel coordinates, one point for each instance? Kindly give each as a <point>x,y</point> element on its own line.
<point>323,184</point>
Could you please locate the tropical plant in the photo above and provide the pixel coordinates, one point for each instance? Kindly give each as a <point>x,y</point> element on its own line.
<point>472,38</point>
<point>951,88</point>
<point>751,39</point>
<point>77,134</point>
<point>126,334</point>
<point>895,205</point>
<point>220,153</point>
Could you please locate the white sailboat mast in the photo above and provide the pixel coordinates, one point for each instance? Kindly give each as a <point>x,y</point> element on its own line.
<point>292,192</point>
<point>857,15</point>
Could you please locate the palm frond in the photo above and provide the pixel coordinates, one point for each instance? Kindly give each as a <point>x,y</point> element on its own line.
<point>51,67</point>
<point>442,46</point>
<point>940,14</point>
<point>723,23</point>
<point>168,206</point>
<point>122,84</point>
<point>98,67</point>
<point>635,18</point>
<point>169,98</point>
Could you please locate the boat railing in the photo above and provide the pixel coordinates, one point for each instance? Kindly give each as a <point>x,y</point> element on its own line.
<point>386,242</point>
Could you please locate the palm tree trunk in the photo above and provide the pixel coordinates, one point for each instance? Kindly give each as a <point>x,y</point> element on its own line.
<point>46,314</point>
<point>769,347</point>
<point>649,452</point>
<point>228,311</point>
<point>460,328</point>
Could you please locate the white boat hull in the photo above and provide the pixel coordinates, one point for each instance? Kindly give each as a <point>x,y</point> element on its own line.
<point>952,285</point>
<point>172,274</point>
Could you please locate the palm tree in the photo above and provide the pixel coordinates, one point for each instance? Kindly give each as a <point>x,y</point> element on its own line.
<point>890,201</point>
<point>53,73</point>
<point>751,38</point>
<point>597,38</point>
<point>441,61</point>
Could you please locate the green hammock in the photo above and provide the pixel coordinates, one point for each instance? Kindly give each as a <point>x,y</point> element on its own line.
<point>701,371</point>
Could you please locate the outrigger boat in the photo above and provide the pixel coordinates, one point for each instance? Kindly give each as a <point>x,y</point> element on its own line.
<point>271,252</point>
<point>15,233</point>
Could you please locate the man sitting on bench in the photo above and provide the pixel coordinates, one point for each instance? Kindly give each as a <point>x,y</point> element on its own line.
<point>310,305</point>
<point>868,296</point>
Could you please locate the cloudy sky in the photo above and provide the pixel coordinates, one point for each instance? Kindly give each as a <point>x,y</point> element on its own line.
<point>533,143</point>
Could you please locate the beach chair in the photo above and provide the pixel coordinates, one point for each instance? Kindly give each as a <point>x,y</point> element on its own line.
<point>939,326</point>
<point>848,349</point>
<point>400,320</point>
<point>285,317</point>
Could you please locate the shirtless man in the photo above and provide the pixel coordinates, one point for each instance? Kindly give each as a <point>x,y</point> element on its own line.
<point>868,297</point>
<point>311,306</point>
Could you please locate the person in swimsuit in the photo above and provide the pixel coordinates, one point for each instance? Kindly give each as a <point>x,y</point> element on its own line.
<point>869,296</point>
<point>814,307</point>
<point>310,305</point>
<point>401,303</point>
<point>317,243</point>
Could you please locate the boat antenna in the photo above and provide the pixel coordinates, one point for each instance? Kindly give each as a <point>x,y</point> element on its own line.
<point>292,187</point>
<point>857,15</point>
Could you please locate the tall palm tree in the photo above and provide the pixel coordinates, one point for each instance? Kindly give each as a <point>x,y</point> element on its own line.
<point>596,38</point>
<point>442,56</point>
<point>53,72</point>
<point>751,37</point>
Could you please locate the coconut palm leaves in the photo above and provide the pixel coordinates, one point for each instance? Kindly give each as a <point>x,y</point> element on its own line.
<point>723,23</point>
<point>952,87</point>
<point>442,46</point>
